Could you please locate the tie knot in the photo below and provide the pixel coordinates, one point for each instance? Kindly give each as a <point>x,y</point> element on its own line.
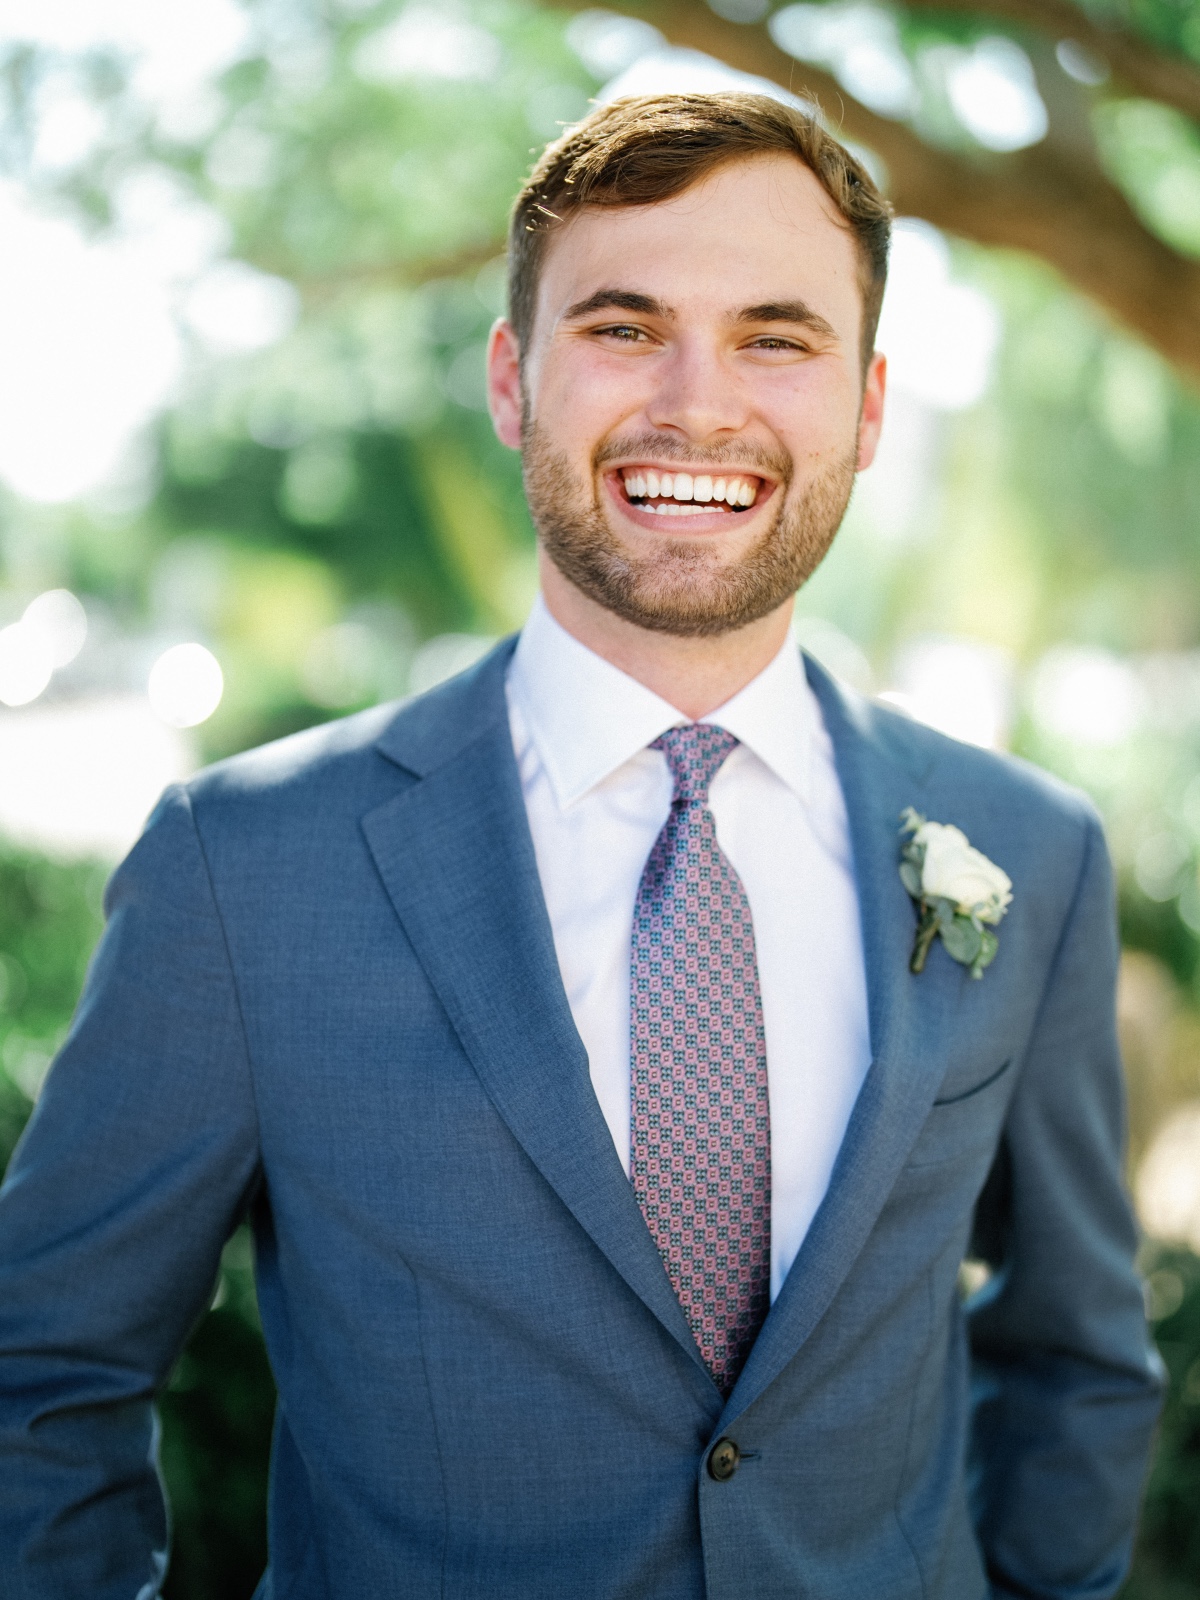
<point>694,755</point>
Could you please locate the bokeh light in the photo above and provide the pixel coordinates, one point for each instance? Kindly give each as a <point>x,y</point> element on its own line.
<point>1168,1180</point>
<point>79,779</point>
<point>26,664</point>
<point>960,686</point>
<point>940,336</point>
<point>185,685</point>
<point>859,43</point>
<point>994,93</point>
<point>1087,695</point>
<point>59,619</point>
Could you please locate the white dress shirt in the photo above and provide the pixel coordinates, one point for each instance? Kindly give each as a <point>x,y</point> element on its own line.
<point>597,799</point>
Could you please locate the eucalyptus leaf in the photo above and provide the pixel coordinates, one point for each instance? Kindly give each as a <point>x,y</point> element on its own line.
<point>945,910</point>
<point>911,879</point>
<point>962,939</point>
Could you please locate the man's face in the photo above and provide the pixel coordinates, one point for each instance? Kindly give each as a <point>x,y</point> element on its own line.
<point>691,406</point>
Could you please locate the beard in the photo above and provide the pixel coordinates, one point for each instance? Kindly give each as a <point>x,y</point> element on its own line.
<point>685,587</point>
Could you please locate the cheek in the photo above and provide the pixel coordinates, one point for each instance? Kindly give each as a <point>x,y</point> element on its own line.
<point>581,394</point>
<point>814,414</point>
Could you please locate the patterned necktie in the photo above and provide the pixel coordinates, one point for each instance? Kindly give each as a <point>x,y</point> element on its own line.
<point>701,1135</point>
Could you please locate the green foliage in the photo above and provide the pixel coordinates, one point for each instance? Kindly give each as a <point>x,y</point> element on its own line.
<point>1167,1566</point>
<point>327,172</point>
<point>49,920</point>
<point>217,1415</point>
<point>1155,154</point>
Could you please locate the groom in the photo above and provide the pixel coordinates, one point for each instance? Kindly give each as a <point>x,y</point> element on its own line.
<point>610,1169</point>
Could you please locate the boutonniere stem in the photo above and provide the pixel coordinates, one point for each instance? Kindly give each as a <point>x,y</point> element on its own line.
<point>958,893</point>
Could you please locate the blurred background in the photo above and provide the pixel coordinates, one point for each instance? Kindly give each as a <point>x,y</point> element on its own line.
<point>247,481</point>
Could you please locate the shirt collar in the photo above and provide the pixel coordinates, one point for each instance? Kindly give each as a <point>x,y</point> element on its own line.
<point>775,715</point>
<point>587,717</point>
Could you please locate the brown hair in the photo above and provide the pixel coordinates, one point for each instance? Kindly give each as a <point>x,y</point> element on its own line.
<point>650,148</point>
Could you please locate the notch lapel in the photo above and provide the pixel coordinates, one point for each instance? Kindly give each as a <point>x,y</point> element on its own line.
<point>909,1029</point>
<point>456,858</point>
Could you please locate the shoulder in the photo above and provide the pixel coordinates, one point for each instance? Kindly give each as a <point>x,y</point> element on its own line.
<point>359,760</point>
<point>992,777</point>
<point>296,792</point>
<point>926,753</point>
<point>314,760</point>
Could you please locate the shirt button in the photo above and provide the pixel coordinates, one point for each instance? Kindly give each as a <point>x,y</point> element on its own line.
<point>723,1461</point>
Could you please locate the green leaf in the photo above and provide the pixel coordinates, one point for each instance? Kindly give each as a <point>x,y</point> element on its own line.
<point>945,911</point>
<point>988,946</point>
<point>911,879</point>
<point>962,939</point>
<point>910,820</point>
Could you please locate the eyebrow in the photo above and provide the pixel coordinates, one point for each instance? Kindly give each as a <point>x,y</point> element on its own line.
<point>797,312</point>
<point>644,305</point>
<point>794,311</point>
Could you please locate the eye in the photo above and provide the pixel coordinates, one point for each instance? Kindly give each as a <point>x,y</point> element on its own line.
<point>774,341</point>
<point>623,332</point>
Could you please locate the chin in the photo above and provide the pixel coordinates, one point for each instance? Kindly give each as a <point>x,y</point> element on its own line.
<point>687,598</point>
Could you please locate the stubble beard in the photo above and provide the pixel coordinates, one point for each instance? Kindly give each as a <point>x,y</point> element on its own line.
<point>686,588</point>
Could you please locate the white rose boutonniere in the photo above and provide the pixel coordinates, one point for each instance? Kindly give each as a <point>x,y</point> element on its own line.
<point>959,893</point>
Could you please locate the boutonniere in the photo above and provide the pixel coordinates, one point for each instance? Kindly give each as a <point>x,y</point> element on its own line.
<point>959,893</point>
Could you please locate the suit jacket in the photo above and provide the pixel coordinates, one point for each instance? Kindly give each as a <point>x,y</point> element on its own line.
<point>328,990</point>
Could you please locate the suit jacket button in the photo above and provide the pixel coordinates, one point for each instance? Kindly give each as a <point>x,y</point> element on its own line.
<point>723,1461</point>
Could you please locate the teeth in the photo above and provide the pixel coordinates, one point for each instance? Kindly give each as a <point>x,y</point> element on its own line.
<point>646,483</point>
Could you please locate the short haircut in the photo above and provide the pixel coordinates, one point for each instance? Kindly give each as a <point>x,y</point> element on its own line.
<point>650,148</point>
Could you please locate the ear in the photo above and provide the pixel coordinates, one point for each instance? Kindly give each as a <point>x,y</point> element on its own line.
<point>504,383</point>
<point>870,419</point>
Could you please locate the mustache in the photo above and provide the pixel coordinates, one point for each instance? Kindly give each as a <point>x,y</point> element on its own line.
<point>665,447</point>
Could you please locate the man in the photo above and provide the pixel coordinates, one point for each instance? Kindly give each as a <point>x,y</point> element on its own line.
<point>610,1167</point>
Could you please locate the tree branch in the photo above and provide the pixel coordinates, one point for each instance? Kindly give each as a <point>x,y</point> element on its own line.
<point>1050,200</point>
<point>322,288</point>
<point>1138,65</point>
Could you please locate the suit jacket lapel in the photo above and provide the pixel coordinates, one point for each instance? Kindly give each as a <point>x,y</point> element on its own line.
<point>456,857</point>
<point>909,1023</point>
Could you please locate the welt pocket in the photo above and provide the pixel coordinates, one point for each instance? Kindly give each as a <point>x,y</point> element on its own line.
<point>974,1088</point>
<point>963,1123</point>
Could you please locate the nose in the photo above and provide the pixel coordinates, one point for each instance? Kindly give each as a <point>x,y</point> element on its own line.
<point>696,395</point>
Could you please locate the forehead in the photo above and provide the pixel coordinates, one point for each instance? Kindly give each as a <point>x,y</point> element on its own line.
<point>752,231</point>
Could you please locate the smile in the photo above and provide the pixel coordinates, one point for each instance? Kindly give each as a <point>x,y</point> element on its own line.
<point>687,494</point>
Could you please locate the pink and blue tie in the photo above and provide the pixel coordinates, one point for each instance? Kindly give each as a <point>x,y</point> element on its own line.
<point>701,1132</point>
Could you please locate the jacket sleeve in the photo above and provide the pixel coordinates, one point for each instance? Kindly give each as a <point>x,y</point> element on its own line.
<point>130,1176</point>
<point>1066,1384</point>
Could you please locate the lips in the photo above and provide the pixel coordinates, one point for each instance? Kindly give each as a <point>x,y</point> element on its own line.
<point>689,494</point>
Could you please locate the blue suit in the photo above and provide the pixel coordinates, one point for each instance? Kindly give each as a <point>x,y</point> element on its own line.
<point>328,991</point>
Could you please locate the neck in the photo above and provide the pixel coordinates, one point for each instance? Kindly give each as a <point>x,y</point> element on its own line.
<point>695,675</point>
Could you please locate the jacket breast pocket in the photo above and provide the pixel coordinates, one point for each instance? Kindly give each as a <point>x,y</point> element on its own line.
<point>965,1117</point>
